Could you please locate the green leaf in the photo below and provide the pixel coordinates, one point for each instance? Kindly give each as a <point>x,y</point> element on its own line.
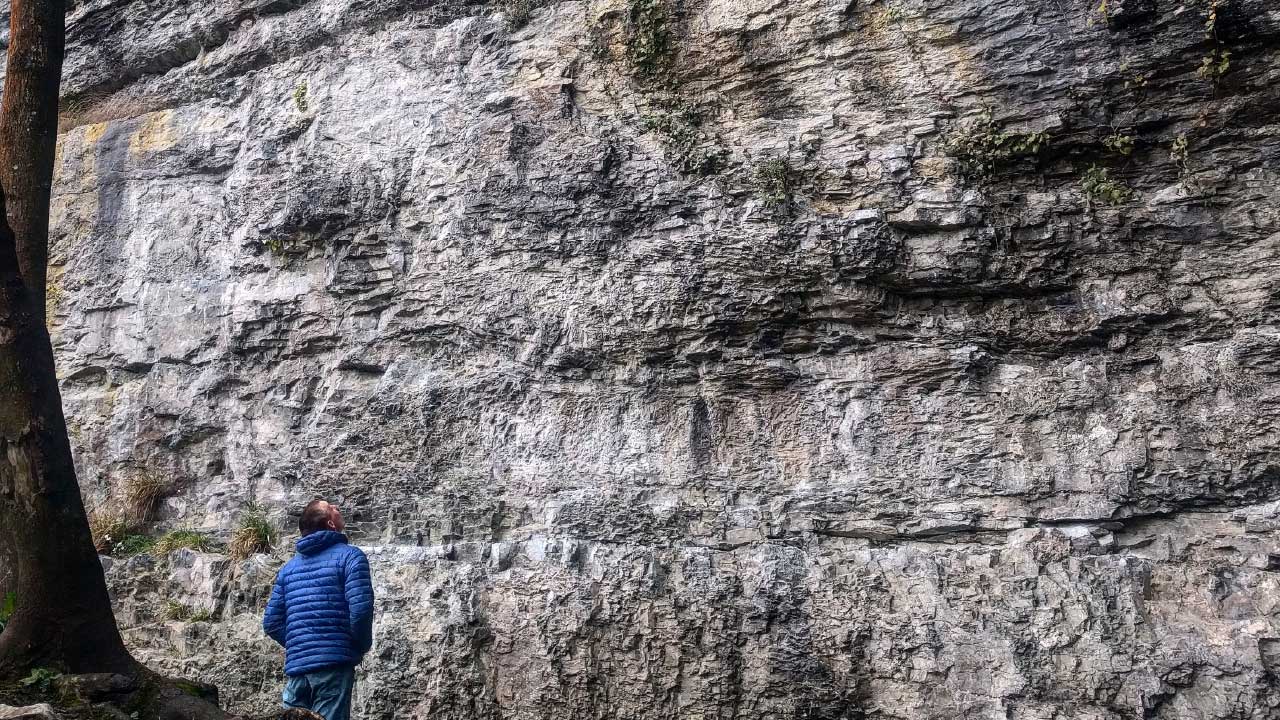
<point>7,608</point>
<point>41,678</point>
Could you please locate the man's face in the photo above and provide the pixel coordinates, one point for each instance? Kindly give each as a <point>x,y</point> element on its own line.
<point>335,518</point>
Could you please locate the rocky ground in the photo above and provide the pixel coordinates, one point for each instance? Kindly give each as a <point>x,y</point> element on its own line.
<point>712,358</point>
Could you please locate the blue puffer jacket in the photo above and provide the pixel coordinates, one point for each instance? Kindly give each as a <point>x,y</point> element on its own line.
<point>321,607</point>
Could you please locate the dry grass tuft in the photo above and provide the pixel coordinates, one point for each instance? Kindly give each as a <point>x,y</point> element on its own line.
<point>143,491</point>
<point>109,527</point>
<point>93,108</point>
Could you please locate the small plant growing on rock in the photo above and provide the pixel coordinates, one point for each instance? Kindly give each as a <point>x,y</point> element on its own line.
<point>771,183</point>
<point>888,15</point>
<point>255,534</point>
<point>650,43</point>
<point>1215,63</point>
<point>687,147</point>
<point>1098,186</point>
<point>41,679</point>
<point>285,245</point>
<point>982,148</point>
<point>300,97</point>
<point>1101,13</point>
<point>1180,153</point>
<point>1119,143</point>
<point>275,244</point>
<point>183,539</point>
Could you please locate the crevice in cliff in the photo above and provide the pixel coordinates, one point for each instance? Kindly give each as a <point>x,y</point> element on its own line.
<point>958,534</point>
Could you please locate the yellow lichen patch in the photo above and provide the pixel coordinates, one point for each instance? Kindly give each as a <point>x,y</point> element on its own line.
<point>78,153</point>
<point>829,206</point>
<point>73,209</point>
<point>93,133</point>
<point>934,168</point>
<point>53,295</point>
<point>155,134</point>
<point>952,61</point>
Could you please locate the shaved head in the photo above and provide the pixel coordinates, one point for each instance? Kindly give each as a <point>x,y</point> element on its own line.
<point>320,515</point>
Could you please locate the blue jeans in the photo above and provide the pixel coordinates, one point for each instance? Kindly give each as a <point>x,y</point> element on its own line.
<point>325,692</point>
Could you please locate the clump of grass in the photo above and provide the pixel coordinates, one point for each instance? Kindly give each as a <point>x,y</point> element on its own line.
<point>1099,186</point>
<point>133,545</point>
<point>174,610</point>
<point>255,534</point>
<point>771,182</point>
<point>181,612</point>
<point>117,533</point>
<point>183,539</point>
<point>143,491</point>
<point>108,529</point>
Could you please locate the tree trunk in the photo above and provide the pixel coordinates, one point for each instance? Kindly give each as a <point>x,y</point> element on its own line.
<point>29,131</point>
<point>63,617</point>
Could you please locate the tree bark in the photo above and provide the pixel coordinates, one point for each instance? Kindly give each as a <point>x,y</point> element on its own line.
<point>29,131</point>
<point>63,617</point>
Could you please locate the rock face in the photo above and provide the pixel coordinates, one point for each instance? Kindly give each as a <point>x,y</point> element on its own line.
<point>701,359</point>
<point>27,712</point>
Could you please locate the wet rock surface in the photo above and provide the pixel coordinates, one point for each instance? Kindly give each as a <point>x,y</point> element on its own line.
<point>702,359</point>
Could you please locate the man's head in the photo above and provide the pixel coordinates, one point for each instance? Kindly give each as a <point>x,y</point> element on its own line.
<point>320,515</point>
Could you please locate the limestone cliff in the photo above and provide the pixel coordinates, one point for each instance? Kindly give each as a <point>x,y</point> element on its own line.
<point>733,359</point>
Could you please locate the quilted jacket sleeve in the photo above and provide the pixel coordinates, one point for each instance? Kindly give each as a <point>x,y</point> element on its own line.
<point>359,591</point>
<point>273,621</point>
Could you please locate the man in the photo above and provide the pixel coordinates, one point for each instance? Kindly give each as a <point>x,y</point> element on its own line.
<point>321,611</point>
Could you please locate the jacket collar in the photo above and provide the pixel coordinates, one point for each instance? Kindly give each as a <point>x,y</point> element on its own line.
<point>318,541</point>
